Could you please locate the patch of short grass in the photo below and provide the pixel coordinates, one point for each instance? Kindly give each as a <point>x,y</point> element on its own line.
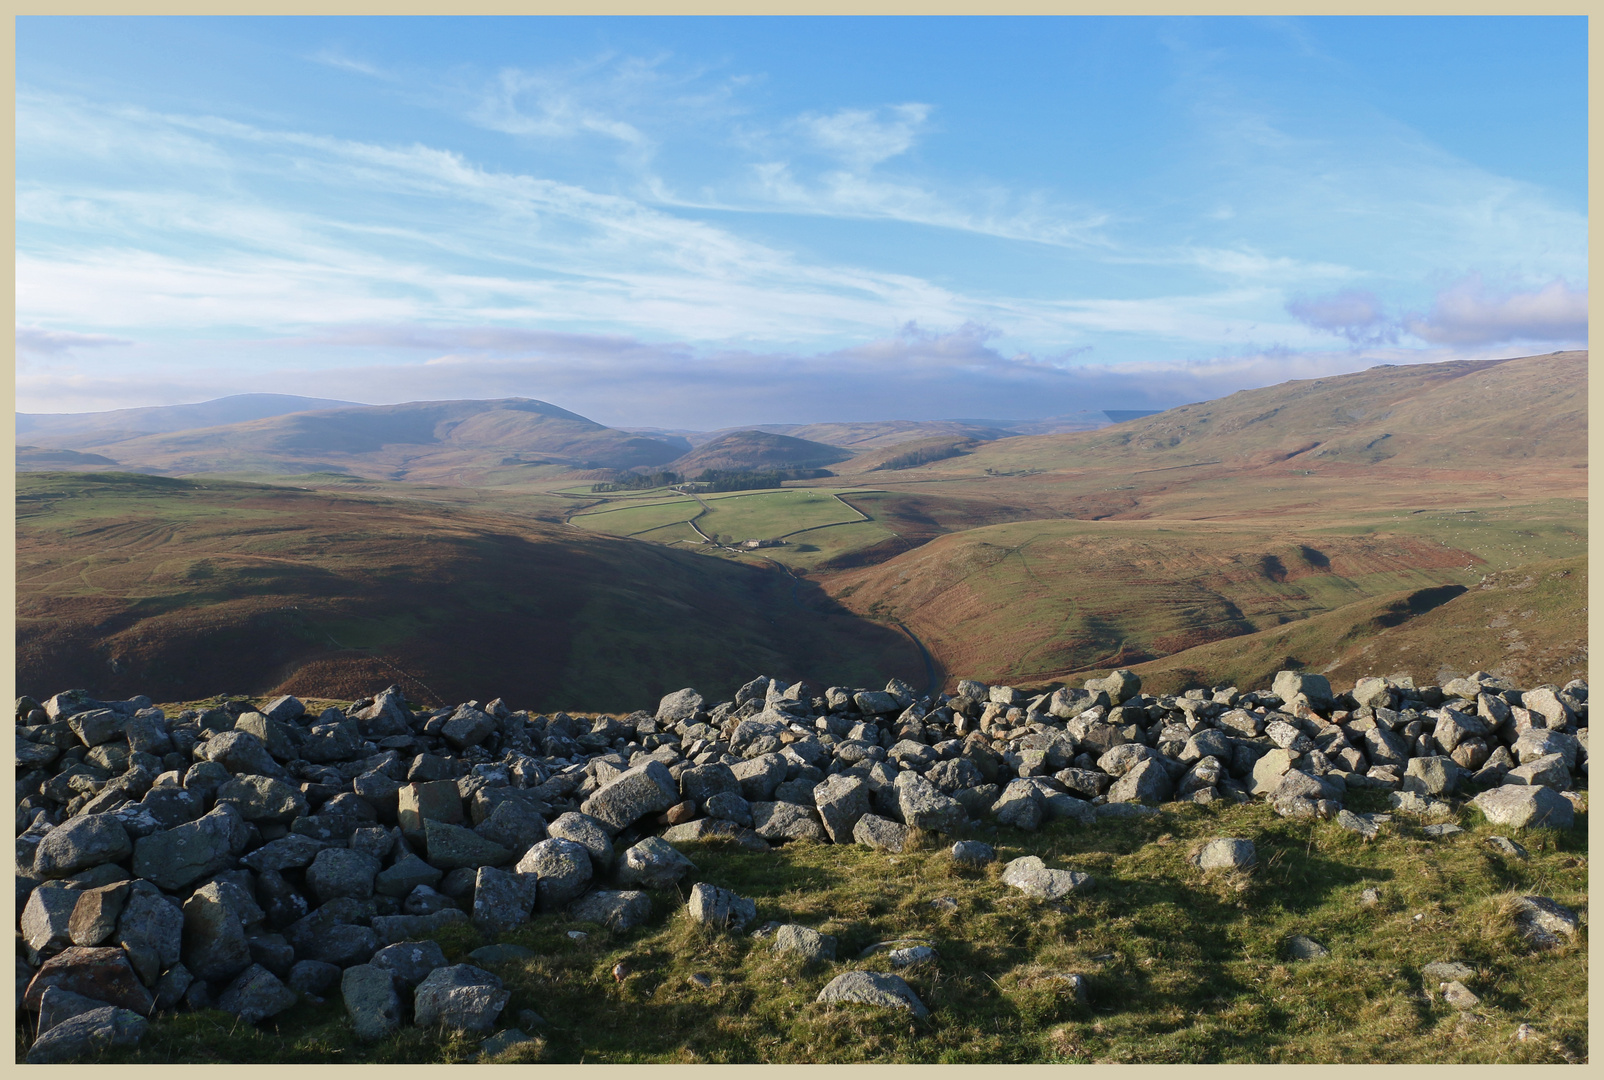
<point>1181,966</point>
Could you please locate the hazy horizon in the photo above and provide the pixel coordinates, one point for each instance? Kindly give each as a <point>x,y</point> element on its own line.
<point>665,222</point>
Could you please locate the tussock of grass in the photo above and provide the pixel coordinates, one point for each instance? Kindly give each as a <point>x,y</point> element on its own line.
<point>1181,965</point>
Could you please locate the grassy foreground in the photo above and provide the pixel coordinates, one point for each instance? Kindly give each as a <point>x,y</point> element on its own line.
<point>1181,966</point>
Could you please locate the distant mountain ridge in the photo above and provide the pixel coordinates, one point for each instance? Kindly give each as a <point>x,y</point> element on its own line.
<point>103,427</point>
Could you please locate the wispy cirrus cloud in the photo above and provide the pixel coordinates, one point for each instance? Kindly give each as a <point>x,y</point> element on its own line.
<point>32,339</point>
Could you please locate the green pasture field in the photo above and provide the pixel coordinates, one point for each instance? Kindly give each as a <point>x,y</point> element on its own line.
<point>1181,966</point>
<point>630,519</point>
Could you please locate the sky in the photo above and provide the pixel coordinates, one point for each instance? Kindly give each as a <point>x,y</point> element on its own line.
<point>694,223</point>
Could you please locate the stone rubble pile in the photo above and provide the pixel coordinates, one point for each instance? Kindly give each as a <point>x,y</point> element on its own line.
<point>246,857</point>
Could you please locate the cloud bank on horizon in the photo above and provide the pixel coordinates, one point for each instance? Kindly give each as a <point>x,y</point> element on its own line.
<point>701,223</point>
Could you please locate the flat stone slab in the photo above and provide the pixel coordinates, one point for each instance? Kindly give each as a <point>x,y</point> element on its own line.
<point>873,988</point>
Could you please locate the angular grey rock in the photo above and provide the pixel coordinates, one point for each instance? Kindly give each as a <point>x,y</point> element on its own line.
<point>880,833</point>
<point>1543,922</point>
<point>1382,747</point>
<point>187,853</point>
<point>409,962</point>
<point>1148,782</point>
<point>1032,877</point>
<point>1447,970</point>
<point>1458,995</point>
<point>785,821</point>
<point>913,954</point>
<point>462,996</point>
<point>1363,824</point>
<point>873,988</point>
<point>404,876</point>
<point>215,947</point>
<point>57,1005</point>
<point>618,910</point>
<point>812,945</point>
<point>88,1035</point>
<point>1316,688</point>
<point>1547,771</point>
<point>1431,775</point>
<point>924,806</point>
<point>563,870</point>
<point>585,830</point>
<point>502,901</point>
<point>1120,685</point>
<point>1301,947</point>
<point>47,917</point>
<point>96,972</point>
<point>715,829</point>
<point>841,800</point>
<point>721,908</point>
<point>94,916</point>
<point>1504,845</point>
<point>263,798</point>
<point>468,727</point>
<point>973,853</point>
<point>702,782</point>
<point>313,977</point>
<point>1020,805</point>
<point>80,843</point>
<point>451,847</point>
<point>1523,807</point>
<point>645,789</point>
<point>1228,853</point>
<point>1438,832</point>
<point>150,929</point>
<point>759,776</point>
<point>286,853</point>
<point>256,994</point>
<point>341,872</point>
<point>371,1001</point>
<point>680,705</point>
<point>1121,759</point>
<point>653,863</point>
<point>514,824</point>
<point>241,753</point>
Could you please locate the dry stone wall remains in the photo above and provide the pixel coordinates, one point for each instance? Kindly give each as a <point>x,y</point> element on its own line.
<point>248,856</point>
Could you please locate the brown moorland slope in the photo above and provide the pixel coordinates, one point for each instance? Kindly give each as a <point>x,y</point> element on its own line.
<point>758,450</point>
<point>180,589</point>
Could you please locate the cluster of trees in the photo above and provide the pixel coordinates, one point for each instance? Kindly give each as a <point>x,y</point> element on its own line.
<point>923,456</point>
<point>748,480</point>
<point>639,482</point>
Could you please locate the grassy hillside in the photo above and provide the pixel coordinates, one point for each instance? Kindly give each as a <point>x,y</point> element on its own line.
<point>179,588</point>
<point>758,451</point>
<point>99,428</point>
<point>422,440</point>
<point>1527,624</point>
<point>1181,966</point>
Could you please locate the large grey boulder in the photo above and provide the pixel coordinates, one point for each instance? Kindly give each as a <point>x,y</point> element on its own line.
<point>94,916</point>
<point>462,996</point>
<point>586,830</point>
<point>263,798</point>
<point>873,988</point>
<point>702,782</point>
<point>255,994</point>
<point>1032,877</point>
<point>241,753</point>
<point>1543,922</point>
<point>409,962</point>
<point>654,863</point>
<point>57,1005</point>
<point>1520,806</point>
<point>759,776</point>
<point>1020,805</point>
<point>403,876</point>
<point>187,853</point>
<point>47,917</point>
<point>286,853</point>
<point>502,901</point>
<point>371,1001</point>
<point>1120,685</point>
<point>342,872</point>
<point>101,973</point>
<point>215,946</point>
<point>1431,775</point>
<point>841,800</point>
<point>1547,771</point>
<point>1228,853</point>
<point>785,821</point>
<point>680,705</point>
<point>79,843</point>
<point>150,930</point>
<point>618,910</point>
<point>880,833</point>
<point>452,847</point>
<point>563,870</point>
<point>645,789</point>
<point>87,1036</point>
<point>924,806</point>
<point>721,908</point>
<point>1148,782</point>
<point>811,945</point>
<point>1315,688</point>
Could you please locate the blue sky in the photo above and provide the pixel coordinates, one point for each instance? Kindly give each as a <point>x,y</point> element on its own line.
<point>706,222</point>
